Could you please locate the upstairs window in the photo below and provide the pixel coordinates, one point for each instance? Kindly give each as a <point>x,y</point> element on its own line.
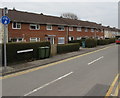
<point>79,29</point>
<point>92,30</point>
<point>34,27</point>
<point>49,27</point>
<point>70,28</point>
<point>16,25</point>
<point>86,29</point>
<point>61,28</point>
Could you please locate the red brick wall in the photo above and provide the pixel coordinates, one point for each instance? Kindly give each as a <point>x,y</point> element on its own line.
<point>82,33</point>
<point>16,33</point>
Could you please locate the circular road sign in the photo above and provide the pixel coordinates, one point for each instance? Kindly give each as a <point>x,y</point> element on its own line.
<point>5,20</point>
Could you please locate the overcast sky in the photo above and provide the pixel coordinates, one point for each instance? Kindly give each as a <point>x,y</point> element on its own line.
<point>95,10</point>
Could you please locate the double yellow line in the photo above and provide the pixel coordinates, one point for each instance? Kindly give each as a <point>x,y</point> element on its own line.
<point>109,93</point>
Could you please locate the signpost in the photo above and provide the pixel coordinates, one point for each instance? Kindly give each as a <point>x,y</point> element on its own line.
<point>5,20</point>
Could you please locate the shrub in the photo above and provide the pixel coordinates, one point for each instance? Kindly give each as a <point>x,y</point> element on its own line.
<point>112,40</point>
<point>89,43</point>
<point>64,48</point>
<point>105,41</point>
<point>76,41</point>
<point>13,56</point>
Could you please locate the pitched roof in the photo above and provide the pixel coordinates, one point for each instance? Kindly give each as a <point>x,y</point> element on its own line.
<point>27,17</point>
<point>19,16</point>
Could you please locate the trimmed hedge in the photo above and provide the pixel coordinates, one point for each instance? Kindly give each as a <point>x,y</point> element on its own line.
<point>76,41</point>
<point>105,41</point>
<point>90,43</point>
<point>64,48</point>
<point>13,56</point>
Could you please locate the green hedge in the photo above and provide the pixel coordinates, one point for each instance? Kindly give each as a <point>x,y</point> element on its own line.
<point>13,56</point>
<point>76,41</point>
<point>64,48</point>
<point>90,43</point>
<point>105,41</point>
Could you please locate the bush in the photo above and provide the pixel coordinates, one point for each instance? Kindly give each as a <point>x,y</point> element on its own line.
<point>13,56</point>
<point>64,48</point>
<point>112,40</point>
<point>90,43</point>
<point>105,41</point>
<point>76,41</point>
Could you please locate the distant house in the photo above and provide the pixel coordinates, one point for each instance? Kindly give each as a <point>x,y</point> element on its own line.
<point>111,32</point>
<point>31,27</point>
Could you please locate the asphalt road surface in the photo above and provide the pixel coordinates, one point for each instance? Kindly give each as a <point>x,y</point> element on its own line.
<point>87,75</point>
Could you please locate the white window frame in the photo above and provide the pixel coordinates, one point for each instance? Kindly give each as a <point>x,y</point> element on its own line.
<point>36,39</point>
<point>70,38</point>
<point>78,38</point>
<point>86,29</point>
<point>79,29</point>
<point>17,23</point>
<point>92,30</point>
<point>18,39</point>
<point>35,26</point>
<point>48,28</point>
<point>61,30</point>
<point>61,38</point>
<point>70,28</point>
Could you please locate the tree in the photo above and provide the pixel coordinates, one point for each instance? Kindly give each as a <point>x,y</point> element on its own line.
<point>69,15</point>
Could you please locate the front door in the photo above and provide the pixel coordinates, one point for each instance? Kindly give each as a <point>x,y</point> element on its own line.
<point>51,39</point>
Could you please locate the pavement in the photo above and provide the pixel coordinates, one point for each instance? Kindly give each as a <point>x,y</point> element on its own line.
<point>28,65</point>
<point>88,74</point>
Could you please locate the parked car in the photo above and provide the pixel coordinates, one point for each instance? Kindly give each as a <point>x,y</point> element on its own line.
<point>118,41</point>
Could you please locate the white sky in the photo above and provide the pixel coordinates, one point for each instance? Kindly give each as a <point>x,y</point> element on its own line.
<point>61,0</point>
<point>100,11</point>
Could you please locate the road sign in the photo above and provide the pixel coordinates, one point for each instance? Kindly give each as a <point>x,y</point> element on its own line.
<point>5,20</point>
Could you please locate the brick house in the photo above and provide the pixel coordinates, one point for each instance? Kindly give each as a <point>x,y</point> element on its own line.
<point>30,27</point>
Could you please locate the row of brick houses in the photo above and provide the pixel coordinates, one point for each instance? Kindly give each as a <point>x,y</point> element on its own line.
<point>30,27</point>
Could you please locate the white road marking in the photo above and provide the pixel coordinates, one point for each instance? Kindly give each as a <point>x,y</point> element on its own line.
<point>95,60</point>
<point>48,83</point>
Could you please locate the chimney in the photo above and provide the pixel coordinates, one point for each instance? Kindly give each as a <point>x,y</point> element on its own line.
<point>14,9</point>
<point>41,13</point>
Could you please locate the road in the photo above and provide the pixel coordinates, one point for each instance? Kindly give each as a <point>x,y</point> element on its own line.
<point>90,74</point>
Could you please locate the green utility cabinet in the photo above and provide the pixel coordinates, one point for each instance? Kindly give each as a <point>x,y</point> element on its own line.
<point>44,52</point>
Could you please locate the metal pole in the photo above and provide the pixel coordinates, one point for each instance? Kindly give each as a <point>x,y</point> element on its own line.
<point>5,32</point>
<point>5,57</point>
